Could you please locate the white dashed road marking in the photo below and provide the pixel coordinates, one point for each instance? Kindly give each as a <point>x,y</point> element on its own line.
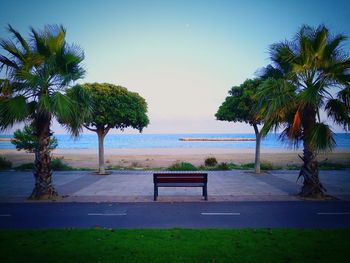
<point>101,214</point>
<point>220,214</point>
<point>332,213</point>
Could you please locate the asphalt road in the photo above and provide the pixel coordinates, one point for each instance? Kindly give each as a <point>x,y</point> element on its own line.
<point>293,214</point>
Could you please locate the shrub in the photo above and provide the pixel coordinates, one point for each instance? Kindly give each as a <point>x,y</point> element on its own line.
<point>234,166</point>
<point>332,166</point>
<point>293,167</point>
<point>57,164</point>
<point>134,164</point>
<point>247,165</point>
<point>263,166</point>
<point>322,166</point>
<point>115,167</point>
<point>223,166</point>
<point>25,166</point>
<point>5,164</point>
<point>266,166</point>
<point>183,166</point>
<point>211,161</point>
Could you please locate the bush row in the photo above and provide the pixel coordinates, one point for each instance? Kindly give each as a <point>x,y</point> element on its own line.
<point>210,164</point>
<point>57,164</point>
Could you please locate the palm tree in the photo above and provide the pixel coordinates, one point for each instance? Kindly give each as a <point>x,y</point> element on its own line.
<point>37,72</point>
<point>316,77</point>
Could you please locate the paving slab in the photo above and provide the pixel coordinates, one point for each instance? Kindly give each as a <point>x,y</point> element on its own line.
<point>337,182</point>
<point>137,186</point>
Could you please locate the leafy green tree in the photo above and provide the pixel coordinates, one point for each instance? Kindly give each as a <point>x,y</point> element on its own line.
<point>239,107</point>
<point>25,139</point>
<point>316,76</point>
<point>113,107</point>
<point>37,71</point>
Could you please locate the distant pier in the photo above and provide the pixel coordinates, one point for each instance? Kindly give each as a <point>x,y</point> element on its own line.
<point>5,139</point>
<point>217,139</point>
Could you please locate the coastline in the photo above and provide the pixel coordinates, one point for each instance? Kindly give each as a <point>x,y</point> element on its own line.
<point>164,157</point>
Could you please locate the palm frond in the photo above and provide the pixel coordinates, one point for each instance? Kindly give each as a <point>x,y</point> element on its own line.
<point>338,72</point>
<point>306,51</point>
<point>339,112</point>
<point>13,110</point>
<point>54,37</point>
<point>269,72</point>
<point>344,96</point>
<point>45,104</point>
<point>305,30</point>
<point>310,96</point>
<point>62,106</point>
<point>84,104</point>
<point>19,38</point>
<point>320,43</point>
<point>282,56</point>
<point>39,44</point>
<point>332,48</point>
<point>321,137</point>
<point>270,125</point>
<point>291,137</point>
<point>68,112</point>
<point>81,110</point>
<point>30,80</point>
<point>11,48</point>
<point>71,69</point>
<point>276,100</point>
<point>8,63</point>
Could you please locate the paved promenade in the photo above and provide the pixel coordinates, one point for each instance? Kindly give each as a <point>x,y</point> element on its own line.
<point>137,186</point>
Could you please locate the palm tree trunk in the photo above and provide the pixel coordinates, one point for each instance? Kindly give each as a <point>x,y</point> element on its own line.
<point>312,186</point>
<point>43,188</point>
<point>101,155</point>
<point>257,148</point>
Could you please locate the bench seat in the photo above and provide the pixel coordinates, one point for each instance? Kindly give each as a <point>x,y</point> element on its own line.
<point>180,185</point>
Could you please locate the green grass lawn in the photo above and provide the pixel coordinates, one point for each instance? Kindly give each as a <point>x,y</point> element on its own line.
<point>175,245</point>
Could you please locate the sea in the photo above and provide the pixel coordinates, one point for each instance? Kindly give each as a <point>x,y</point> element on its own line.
<point>130,141</point>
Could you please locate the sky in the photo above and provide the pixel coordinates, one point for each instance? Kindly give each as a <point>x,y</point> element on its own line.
<point>181,56</point>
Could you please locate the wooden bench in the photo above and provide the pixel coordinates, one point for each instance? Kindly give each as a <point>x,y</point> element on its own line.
<point>180,180</point>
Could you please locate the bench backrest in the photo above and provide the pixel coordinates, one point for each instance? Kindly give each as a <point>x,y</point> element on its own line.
<point>180,177</point>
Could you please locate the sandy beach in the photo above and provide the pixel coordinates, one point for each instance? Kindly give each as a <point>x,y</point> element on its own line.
<point>164,157</point>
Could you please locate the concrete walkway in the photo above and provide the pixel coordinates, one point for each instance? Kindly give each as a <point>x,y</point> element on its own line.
<point>137,186</point>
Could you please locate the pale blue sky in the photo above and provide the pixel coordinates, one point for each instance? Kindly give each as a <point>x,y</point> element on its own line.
<point>181,56</point>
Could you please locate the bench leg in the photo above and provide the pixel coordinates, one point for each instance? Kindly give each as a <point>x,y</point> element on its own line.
<point>155,193</point>
<point>205,192</point>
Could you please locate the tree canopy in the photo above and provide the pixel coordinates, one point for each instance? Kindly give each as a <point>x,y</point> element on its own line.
<point>115,107</point>
<point>239,105</point>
